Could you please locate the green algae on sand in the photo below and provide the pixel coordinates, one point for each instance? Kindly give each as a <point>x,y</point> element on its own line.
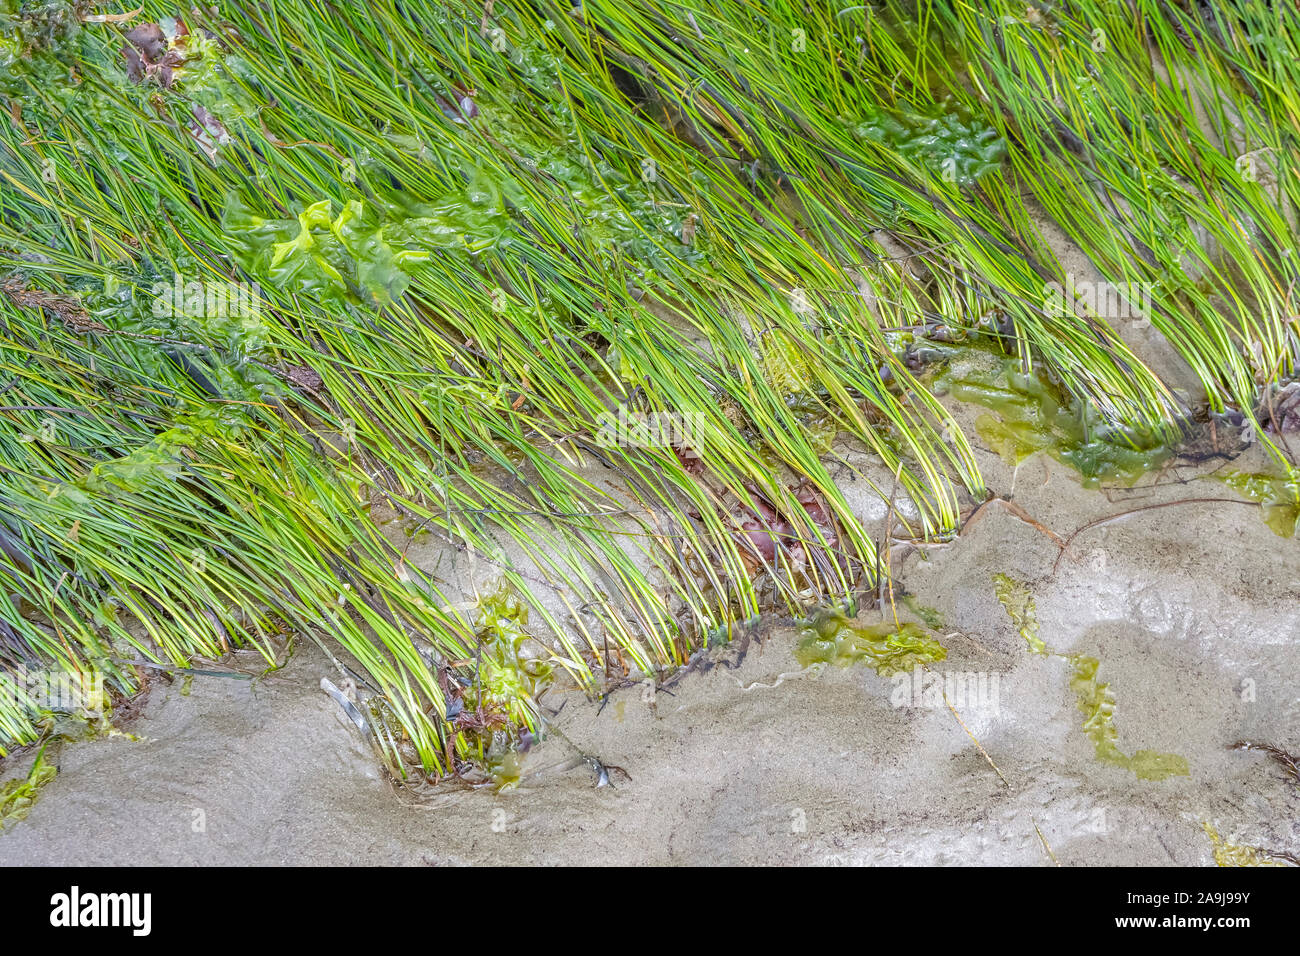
<point>1019,605</point>
<point>1279,498</point>
<point>1093,698</point>
<point>18,796</point>
<point>1029,415</point>
<point>1097,704</point>
<point>1234,854</point>
<point>829,637</point>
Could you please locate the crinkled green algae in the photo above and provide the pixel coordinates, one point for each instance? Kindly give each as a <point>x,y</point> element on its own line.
<point>1234,854</point>
<point>1030,415</point>
<point>829,637</point>
<point>18,796</point>
<point>1019,605</point>
<point>508,674</point>
<point>964,150</point>
<point>1279,498</point>
<point>512,669</point>
<point>787,369</point>
<point>365,248</point>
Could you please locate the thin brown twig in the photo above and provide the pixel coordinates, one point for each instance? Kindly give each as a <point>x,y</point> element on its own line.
<point>1015,511</point>
<point>1124,514</point>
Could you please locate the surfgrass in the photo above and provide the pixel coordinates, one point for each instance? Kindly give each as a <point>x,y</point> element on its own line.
<point>453,246</point>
